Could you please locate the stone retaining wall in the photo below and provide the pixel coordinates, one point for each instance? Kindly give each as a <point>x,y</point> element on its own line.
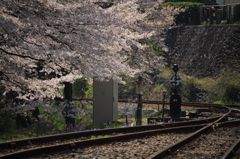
<point>204,50</point>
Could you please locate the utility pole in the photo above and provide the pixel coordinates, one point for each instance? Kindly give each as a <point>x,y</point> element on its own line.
<point>139,108</point>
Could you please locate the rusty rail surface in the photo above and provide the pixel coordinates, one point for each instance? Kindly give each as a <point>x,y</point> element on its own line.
<point>147,129</point>
<point>73,145</point>
<point>116,130</point>
<point>168,150</point>
<point>83,143</point>
<point>73,135</point>
<point>231,151</point>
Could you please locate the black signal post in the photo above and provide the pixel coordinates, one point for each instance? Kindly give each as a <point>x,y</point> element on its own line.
<point>139,108</point>
<point>175,99</point>
<point>175,69</point>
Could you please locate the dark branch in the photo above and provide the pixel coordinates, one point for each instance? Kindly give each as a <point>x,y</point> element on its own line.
<point>22,56</point>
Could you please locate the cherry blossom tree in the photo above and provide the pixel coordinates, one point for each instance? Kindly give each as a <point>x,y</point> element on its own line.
<point>46,42</point>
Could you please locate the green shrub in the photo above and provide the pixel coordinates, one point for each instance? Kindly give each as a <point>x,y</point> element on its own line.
<point>232,93</point>
<point>205,23</point>
<point>89,92</point>
<point>224,22</point>
<point>190,90</point>
<point>126,90</point>
<point>79,88</point>
<point>6,121</point>
<point>228,85</point>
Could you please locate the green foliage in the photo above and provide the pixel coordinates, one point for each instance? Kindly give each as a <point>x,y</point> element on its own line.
<point>57,121</point>
<point>52,120</point>
<point>156,114</point>
<point>154,47</point>
<point>89,92</point>
<point>225,22</point>
<point>6,121</point>
<point>15,134</point>
<point>100,136</point>
<point>128,89</point>
<point>159,88</point>
<point>218,102</point>
<point>61,91</point>
<point>231,93</point>
<point>104,126</point>
<point>50,123</point>
<point>182,4</point>
<point>79,87</point>
<point>228,85</point>
<point>83,121</point>
<point>237,22</point>
<point>205,23</point>
<point>190,16</point>
<point>88,107</point>
<point>190,91</point>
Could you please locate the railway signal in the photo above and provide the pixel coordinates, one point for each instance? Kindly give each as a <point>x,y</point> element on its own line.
<point>175,99</point>
<point>175,80</point>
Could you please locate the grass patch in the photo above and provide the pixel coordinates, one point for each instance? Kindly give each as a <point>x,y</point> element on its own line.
<point>99,136</point>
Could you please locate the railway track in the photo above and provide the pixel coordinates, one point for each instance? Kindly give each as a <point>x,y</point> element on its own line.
<point>78,143</point>
<point>205,130</point>
<point>211,144</point>
<point>18,145</point>
<point>73,145</point>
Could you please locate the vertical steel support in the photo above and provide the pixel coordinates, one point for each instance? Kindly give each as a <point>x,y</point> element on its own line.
<point>163,104</point>
<point>139,108</point>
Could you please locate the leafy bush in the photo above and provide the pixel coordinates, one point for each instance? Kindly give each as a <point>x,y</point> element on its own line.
<point>190,16</point>
<point>127,90</point>
<point>190,90</point>
<point>232,93</point>
<point>79,87</point>
<point>229,87</point>
<point>6,121</point>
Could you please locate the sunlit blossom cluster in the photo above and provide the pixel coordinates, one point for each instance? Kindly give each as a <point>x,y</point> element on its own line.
<point>47,42</point>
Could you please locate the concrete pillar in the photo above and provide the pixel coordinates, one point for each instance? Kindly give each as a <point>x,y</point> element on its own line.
<point>105,104</point>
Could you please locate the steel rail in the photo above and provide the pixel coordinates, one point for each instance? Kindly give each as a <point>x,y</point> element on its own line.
<point>71,145</point>
<point>231,151</point>
<point>84,143</point>
<point>168,150</point>
<point>228,123</point>
<point>75,135</point>
<point>167,103</point>
<point>105,131</point>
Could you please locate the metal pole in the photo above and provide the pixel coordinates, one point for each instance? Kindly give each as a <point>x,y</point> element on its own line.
<point>139,110</point>
<point>175,81</point>
<point>163,103</point>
